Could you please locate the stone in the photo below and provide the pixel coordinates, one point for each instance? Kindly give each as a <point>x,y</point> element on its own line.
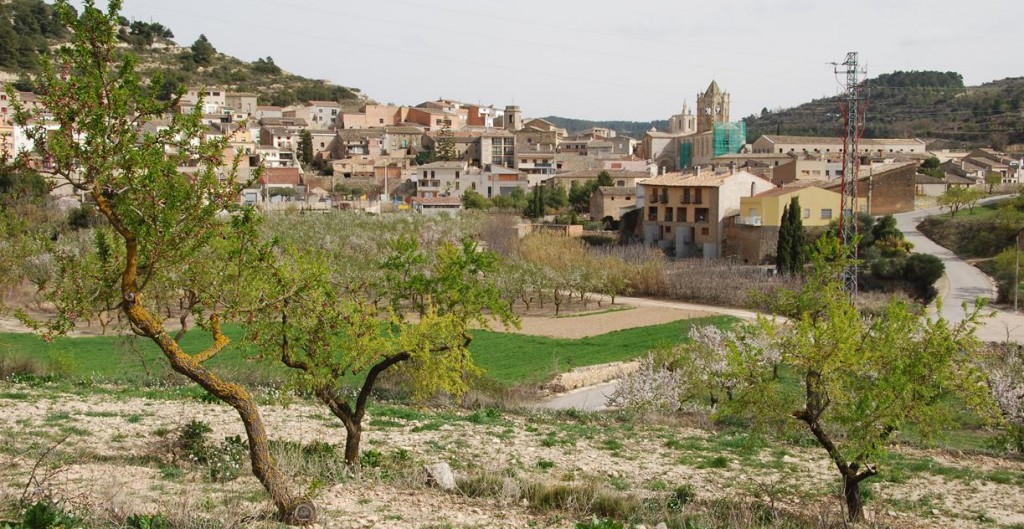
<point>662,525</point>
<point>440,475</point>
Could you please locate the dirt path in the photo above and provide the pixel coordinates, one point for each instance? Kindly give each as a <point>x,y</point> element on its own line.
<point>621,316</point>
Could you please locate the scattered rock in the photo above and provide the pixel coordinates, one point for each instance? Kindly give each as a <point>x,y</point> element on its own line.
<point>662,525</point>
<point>440,475</point>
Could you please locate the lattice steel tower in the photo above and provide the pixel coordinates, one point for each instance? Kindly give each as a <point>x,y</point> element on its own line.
<point>853,122</point>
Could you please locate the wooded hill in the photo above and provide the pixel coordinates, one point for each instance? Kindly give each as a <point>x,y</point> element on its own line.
<point>28,28</point>
<point>933,106</point>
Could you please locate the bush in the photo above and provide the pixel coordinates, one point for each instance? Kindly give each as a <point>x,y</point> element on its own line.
<point>148,521</point>
<point>47,515</point>
<point>222,462</point>
<point>922,271</point>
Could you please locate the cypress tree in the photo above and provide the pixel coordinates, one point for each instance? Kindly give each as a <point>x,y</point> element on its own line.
<point>797,238</point>
<point>783,250</point>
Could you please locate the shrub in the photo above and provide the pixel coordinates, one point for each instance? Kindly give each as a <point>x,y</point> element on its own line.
<point>47,515</point>
<point>148,521</point>
<point>222,462</point>
<point>922,271</point>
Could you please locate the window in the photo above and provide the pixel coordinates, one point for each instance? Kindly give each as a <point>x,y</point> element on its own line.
<point>704,231</point>
<point>807,213</point>
<point>381,121</point>
<point>652,213</point>
<point>826,213</point>
<point>668,214</point>
<point>680,214</point>
<point>456,174</point>
<point>700,215</point>
<point>696,196</point>
<point>686,196</point>
<point>457,185</point>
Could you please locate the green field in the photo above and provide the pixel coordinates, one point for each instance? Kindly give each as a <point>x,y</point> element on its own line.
<point>506,357</point>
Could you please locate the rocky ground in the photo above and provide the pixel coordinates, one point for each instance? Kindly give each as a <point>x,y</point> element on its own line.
<point>116,458</point>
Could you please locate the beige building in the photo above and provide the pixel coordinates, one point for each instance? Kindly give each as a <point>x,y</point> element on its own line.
<point>440,179</point>
<point>241,102</point>
<point>686,213</point>
<point>827,145</point>
<point>612,202</point>
<point>371,116</point>
<point>318,114</point>
<point>621,178</point>
<point>214,99</point>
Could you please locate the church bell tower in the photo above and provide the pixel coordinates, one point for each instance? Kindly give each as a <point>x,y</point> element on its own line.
<point>712,107</point>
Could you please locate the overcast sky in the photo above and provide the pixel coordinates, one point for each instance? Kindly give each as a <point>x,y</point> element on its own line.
<point>600,59</point>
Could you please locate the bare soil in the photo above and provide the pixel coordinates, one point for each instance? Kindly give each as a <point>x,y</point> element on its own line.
<point>110,463</point>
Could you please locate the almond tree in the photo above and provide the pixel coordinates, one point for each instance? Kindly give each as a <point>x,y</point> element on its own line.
<point>864,379</point>
<point>169,223</point>
<point>412,320</point>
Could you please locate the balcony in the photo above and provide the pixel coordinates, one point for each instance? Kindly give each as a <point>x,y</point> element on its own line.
<point>750,221</point>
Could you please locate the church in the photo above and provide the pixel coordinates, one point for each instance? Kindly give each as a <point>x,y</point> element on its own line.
<point>694,139</point>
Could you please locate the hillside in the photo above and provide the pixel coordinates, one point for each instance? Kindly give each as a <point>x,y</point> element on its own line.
<point>28,28</point>
<point>933,106</point>
<point>633,129</point>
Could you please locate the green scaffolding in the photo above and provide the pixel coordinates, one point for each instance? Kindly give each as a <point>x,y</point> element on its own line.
<point>685,155</point>
<point>729,138</point>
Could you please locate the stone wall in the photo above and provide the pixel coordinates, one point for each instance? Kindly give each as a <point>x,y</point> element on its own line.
<point>582,377</point>
<point>750,244</point>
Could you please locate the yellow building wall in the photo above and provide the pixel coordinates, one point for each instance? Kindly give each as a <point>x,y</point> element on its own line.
<point>813,198</point>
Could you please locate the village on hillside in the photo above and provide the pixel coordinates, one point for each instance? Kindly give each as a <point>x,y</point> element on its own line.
<point>701,188</point>
<point>332,312</point>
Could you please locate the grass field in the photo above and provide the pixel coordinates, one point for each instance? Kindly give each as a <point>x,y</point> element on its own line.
<point>508,358</point>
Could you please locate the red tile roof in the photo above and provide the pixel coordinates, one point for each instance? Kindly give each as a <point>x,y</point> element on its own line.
<point>280,176</point>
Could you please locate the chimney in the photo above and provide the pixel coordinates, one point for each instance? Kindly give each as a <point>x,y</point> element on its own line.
<point>751,189</point>
<point>732,169</point>
<point>698,170</point>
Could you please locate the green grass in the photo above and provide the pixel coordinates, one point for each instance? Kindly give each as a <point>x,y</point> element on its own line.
<point>108,357</point>
<point>515,358</point>
<point>508,358</point>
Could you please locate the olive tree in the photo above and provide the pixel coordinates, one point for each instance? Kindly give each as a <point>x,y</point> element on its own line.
<point>863,379</point>
<point>172,208</point>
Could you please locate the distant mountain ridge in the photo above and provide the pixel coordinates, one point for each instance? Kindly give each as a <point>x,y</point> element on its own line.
<point>29,27</point>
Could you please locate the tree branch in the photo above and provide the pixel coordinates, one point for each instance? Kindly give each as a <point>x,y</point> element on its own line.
<point>219,341</point>
<point>371,379</point>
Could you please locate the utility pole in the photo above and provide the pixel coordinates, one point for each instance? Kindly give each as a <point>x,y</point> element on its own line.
<point>1016,270</point>
<point>853,121</point>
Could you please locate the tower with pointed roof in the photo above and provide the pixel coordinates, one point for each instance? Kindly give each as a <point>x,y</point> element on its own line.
<point>712,107</point>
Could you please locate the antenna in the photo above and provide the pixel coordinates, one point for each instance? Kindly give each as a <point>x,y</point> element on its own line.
<point>853,125</point>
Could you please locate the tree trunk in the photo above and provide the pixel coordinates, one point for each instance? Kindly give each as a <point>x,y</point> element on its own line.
<point>353,434</point>
<point>291,509</point>
<point>851,491</point>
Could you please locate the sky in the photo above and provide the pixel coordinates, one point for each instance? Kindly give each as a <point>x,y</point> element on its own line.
<point>633,60</point>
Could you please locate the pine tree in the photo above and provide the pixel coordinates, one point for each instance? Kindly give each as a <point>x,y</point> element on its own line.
<point>783,248</point>
<point>797,238</point>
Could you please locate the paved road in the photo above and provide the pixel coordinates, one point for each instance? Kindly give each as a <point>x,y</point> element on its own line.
<point>962,282</point>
